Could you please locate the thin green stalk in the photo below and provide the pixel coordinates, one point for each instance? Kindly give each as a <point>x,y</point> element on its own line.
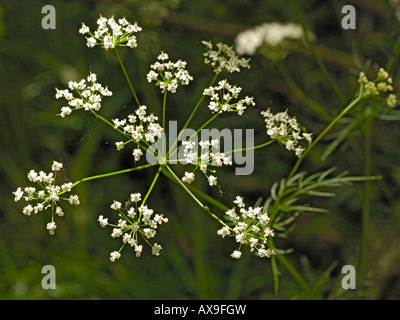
<point>293,272</point>
<point>324,132</point>
<point>366,205</point>
<point>205,208</point>
<point>152,185</point>
<point>191,116</point>
<point>256,147</point>
<point>163,111</point>
<point>274,210</point>
<point>321,65</point>
<point>100,176</point>
<point>198,130</point>
<point>198,104</point>
<point>127,77</point>
<point>108,122</point>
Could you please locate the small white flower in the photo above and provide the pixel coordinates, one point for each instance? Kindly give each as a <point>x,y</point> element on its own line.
<point>84,29</point>
<point>103,221</point>
<point>223,232</point>
<point>188,178</point>
<point>115,255</point>
<point>65,111</point>
<point>74,200</point>
<point>27,210</point>
<point>137,153</point>
<point>90,42</point>
<point>32,175</point>
<point>57,166</point>
<point>239,202</point>
<point>51,226</point>
<point>155,250</point>
<point>59,212</point>
<point>119,145</point>
<point>135,197</point>
<point>212,180</point>
<point>18,194</point>
<point>138,250</point>
<point>117,232</point>
<point>236,254</point>
<point>116,205</point>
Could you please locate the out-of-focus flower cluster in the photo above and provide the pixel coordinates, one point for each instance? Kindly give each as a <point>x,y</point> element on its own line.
<point>271,36</point>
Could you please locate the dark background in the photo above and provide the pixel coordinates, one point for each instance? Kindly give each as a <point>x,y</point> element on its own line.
<point>196,262</point>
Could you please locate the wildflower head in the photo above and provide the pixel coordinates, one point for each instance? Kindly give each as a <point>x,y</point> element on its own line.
<point>169,75</point>
<point>88,95</point>
<point>249,227</point>
<point>223,58</point>
<point>46,194</point>
<point>286,131</point>
<point>111,33</point>
<point>380,88</point>
<point>223,96</point>
<point>140,128</point>
<point>135,222</point>
<point>203,155</point>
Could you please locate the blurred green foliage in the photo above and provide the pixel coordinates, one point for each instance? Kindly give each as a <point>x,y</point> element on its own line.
<point>196,263</point>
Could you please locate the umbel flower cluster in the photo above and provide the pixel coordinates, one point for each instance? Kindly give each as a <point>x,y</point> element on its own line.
<point>89,94</point>
<point>249,227</point>
<point>111,33</point>
<point>221,98</point>
<point>223,58</point>
<point>286,131</point>
<point>209,156</point>
<point>383,83</point>
<point>134,222</point>
<point>47,195</point>
<point>139,128</point>
<point>169,75</point>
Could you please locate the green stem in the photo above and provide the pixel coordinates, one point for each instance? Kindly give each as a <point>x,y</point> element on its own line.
<point>293,272</point>
<point>366,205</point>
<point>191,116</point>
<point>109,123</point>
<point>100,176</point>
<point>205,208</point>
<point>164,106</point>
<point>323,133</point>
<point>256,147</point>
<point>198,104</point>
<point>152,185</point>
<point>198,130</point>
<point>127,77</point>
